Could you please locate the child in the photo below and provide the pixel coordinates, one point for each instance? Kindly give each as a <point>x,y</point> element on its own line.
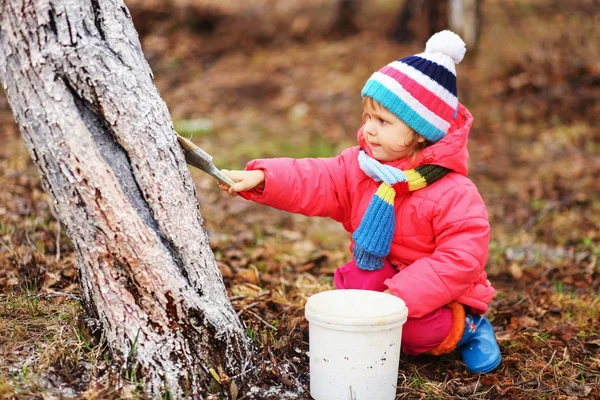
<point>419,226</point>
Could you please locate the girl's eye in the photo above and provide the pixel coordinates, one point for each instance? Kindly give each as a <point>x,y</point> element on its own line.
<point>382,121</point>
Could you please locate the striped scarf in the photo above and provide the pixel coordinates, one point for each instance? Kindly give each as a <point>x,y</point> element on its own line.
<point>373,237</point>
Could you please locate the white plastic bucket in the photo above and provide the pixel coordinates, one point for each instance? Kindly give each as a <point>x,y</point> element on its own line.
<point>354,344</point>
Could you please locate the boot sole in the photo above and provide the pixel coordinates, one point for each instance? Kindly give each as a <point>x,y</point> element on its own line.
<point>487,368</point>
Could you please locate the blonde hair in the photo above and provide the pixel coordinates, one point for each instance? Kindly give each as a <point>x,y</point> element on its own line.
<point>414,146</point>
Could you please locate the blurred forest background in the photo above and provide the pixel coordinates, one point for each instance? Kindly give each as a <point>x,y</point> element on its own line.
<point>266,78</point>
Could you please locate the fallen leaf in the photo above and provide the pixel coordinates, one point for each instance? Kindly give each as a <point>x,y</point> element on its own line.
<point>489,380</point>
<point>576,389</point>
<point>516,271</point>
<point>528,322</point>
<point>564,331</point>
<point>248,275</point>
<point>233,390</point>
<point>505,336</point>
<point>514,323</point>
<point>594,342</point>
<point>215,375</point>
<point>224,269</point>
<point>468,389</point>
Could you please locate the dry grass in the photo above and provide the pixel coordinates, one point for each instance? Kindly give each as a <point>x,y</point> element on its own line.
<point>38,336</point>
<point>45,352</point>
<point>533,89</point>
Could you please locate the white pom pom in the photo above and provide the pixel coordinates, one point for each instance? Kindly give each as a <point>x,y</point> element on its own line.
<point>448,43</point>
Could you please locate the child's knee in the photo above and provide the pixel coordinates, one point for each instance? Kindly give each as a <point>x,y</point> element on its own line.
<point>420,335</point>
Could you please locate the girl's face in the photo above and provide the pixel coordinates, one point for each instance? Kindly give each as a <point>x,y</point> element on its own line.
<point>387,136</point>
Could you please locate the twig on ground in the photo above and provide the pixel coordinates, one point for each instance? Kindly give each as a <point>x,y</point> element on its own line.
<point>246,307</point>
<point>262,320</point>
<point>56,294</point>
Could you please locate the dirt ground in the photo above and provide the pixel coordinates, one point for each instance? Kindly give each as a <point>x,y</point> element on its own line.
<point>242,92</point>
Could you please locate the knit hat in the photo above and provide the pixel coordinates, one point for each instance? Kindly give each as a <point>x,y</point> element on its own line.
<point>421,89</point>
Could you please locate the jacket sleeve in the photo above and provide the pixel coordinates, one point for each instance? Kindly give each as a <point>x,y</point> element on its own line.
<point>307,186</point>
<point>462,234</point>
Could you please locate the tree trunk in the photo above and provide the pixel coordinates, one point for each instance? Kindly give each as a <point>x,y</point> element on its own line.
<point>464,18</point>
<point>102,139</point>
<point>419,19</point>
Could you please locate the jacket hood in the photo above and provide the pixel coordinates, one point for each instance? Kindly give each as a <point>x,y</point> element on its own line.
<point>450,152</point>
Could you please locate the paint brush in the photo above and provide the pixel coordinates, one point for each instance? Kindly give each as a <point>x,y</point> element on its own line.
<point>200,159</point>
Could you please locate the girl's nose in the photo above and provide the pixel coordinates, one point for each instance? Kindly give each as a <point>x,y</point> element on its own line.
<point>370,127</point>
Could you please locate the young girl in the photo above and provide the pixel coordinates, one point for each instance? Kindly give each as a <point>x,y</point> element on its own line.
<point>419,226</point>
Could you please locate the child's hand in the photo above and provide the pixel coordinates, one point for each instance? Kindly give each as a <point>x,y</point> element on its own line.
<point>246,180</point>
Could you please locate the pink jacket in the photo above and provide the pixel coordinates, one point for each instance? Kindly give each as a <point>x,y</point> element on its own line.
<point>440,246</point>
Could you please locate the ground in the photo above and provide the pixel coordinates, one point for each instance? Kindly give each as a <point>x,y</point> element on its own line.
<point>533,86</point>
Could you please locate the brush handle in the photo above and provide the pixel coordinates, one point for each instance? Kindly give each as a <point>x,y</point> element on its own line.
<point>221,177</point>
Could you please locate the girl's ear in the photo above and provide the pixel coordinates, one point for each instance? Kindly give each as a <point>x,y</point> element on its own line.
<point>420,138</point>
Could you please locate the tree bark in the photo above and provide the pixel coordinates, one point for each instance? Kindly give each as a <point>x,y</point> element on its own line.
<point>102,139</point>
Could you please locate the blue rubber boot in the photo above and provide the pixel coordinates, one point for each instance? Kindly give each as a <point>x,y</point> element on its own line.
<point>478,347</point>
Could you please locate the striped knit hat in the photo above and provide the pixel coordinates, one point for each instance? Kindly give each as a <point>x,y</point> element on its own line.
<point>421,89</point>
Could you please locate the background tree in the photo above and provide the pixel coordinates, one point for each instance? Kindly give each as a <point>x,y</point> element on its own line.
<point>102,139</point>
<point>419,19</point>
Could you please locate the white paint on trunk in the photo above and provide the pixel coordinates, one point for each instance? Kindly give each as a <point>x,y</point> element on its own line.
<point>96,127</point>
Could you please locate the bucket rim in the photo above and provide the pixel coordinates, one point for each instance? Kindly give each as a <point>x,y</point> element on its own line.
<point>312,314</point>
